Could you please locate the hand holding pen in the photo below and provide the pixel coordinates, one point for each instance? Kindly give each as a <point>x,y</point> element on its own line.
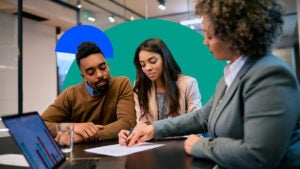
<point>137,134</point>
<point>123,136</point>
<point>141,134</point>
<point>130,131</point>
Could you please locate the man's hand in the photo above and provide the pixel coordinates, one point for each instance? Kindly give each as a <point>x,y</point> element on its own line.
<point>63,139</point>
<point>88,131</point>
<point>78,138</point>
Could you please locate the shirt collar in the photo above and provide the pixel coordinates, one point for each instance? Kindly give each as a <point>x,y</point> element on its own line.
<point>232,69</point>
<point>90,89</point>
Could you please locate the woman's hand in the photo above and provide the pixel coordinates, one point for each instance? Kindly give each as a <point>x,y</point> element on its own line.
<point>123,136</point>
<point>141,133</point>
<point>190,142</point>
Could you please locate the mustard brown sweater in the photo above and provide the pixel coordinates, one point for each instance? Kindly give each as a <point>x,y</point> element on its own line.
<point>115,110</point>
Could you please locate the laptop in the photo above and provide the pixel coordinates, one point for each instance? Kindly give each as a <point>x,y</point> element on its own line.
<point>38,146</point>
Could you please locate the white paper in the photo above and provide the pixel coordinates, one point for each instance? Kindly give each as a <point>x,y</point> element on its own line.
<point>116,150</point>
<point>13,159</point>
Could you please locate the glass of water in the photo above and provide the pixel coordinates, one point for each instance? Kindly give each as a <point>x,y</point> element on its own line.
<point>65,136</point>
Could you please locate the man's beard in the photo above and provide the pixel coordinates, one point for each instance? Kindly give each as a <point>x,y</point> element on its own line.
<point>102,88</point>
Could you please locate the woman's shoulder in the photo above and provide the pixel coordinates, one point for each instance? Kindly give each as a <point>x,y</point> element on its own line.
<point>270,63</point>
<point>185,81</point>
<point>182,78</point>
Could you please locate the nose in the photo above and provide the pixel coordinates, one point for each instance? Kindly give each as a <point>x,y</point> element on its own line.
<point>99,74</point>
<point>148,67</point>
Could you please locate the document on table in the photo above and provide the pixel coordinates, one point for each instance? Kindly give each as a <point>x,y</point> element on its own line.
<point>116,150</point>
<point>13,159</point>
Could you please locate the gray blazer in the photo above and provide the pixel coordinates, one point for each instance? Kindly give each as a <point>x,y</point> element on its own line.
<point>255,124</point>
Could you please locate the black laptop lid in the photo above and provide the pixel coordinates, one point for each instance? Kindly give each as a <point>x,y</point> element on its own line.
<point>34,140</point>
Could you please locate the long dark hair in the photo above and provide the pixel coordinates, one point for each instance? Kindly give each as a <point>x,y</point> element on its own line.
<point>171,69</point>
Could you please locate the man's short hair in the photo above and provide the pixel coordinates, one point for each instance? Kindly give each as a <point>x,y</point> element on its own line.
<point>85,49</point>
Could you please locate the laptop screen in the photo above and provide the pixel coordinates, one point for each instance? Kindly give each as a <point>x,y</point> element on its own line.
<point>34,140</point>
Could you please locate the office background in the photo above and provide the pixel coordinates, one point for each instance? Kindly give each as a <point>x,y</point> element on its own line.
<point>44,21</point>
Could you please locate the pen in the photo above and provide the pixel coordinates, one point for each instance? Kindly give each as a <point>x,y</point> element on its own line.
<point>130,131</point>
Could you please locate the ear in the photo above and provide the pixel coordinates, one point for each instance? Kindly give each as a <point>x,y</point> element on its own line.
<point>82,75</point>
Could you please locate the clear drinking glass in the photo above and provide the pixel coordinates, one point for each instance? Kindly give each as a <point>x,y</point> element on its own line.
<point>65,135</point>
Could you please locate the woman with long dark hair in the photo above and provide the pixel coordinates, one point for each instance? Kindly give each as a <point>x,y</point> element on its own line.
<point>161,90</point>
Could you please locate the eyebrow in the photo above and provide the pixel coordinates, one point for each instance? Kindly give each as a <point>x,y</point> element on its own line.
<point>91,68</point>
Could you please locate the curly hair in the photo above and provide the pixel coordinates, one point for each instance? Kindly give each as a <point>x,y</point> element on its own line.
<point>248,26</point>
<point>85,49</point>
<point>171,71</point>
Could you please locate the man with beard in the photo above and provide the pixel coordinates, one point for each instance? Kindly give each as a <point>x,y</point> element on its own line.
<point>99,107</point>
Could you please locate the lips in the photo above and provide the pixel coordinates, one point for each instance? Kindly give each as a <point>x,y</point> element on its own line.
<point>101,83</point>
<point>151,75</point>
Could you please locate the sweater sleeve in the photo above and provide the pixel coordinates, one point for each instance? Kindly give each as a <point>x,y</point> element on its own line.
<point>190,123</point>
<point>58,111</point>
<point>125,112</point>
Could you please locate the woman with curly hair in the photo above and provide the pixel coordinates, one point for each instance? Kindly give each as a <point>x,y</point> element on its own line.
<point>254,115</point>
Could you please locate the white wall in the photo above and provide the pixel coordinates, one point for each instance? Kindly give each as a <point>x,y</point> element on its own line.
<point>39,58</point>
<point>8,64</point>
<point>39,66</point>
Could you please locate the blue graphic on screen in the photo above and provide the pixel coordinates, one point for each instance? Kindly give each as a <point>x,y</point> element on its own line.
<point>35,141</point>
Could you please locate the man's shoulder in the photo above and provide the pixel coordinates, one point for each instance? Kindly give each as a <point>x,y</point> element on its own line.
<point>79,85</point>
<point>74,88</point>
<point>119,84</point>
<point>119,79</point>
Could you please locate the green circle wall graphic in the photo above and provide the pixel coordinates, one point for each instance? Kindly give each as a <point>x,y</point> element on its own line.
<point>185,44</point>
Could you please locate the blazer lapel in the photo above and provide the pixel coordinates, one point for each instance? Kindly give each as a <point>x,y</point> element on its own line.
<point>220,91</point>
<point>222,99</point>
